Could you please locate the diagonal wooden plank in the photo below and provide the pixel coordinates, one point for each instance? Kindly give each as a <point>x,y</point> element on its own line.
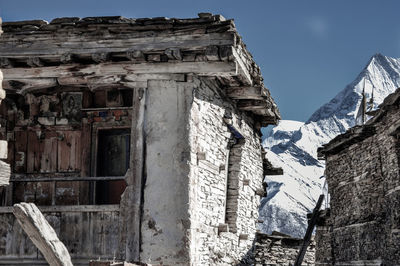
<point>42,234</point>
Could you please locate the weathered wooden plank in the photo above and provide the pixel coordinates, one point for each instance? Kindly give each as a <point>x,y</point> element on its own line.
<point>23,192</point>
<point>310,229</point>
<point>250,105</point>
<point>44,193</point>
<point>75,43</point>
<point>76,208</point>
<point>22,85</point>
<point>131,199</point>
<point>69,151</point>
<point>67,193</point>
<point>60,177</point>
<point>41,156</point>
<point>255,93</point>
<point>122,68</point>
<point>42,234</point>
<point>242,69</point>
<point>84,187</point>
<point>48,163</point>
<point>21,141</point>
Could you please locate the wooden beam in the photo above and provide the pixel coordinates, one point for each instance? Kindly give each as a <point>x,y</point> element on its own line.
<point>70,208</point>
<point>79,45</point>
<point>251,105</point>
<point>131,200</point>
<point>254,93</point>
<point>35,178</point>
<point>23,85</point>
<point>310,229</point>
<point>242,70</point>
<point>122,68</point>
<point>42,234</point>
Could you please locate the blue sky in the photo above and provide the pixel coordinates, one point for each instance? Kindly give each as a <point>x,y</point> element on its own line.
<point>307,50</point>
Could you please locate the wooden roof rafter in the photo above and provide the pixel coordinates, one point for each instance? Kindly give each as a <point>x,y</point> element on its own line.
<point>97,51</point>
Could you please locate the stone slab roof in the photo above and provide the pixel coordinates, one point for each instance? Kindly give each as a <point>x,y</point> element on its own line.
<point>36,53</point>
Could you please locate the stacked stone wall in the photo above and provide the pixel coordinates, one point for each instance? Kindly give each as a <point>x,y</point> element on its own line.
<point>212,241</point>
<point>364,185</point>
<point>279,250</point>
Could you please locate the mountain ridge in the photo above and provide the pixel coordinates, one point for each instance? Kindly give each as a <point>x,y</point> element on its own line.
<point>293,145</point>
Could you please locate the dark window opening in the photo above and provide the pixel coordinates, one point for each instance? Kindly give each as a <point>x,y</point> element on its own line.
<point>112,160</point>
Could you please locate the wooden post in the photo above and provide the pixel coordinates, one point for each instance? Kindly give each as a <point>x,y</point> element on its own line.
<point>42,234</point>
<point>131,202</point>
<point>309,231</point>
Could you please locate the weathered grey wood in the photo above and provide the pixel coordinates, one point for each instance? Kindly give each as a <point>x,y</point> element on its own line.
<point>35,178</point>
<point>242,70</point>
<point>35,62</point>
<point>250,105</point>
<point>71,208</point>
<point>75,43</point>
<point>24,85</point>
<point>135,179</point>
<point>310,229</point>
<point>42,234</point>
<point>255,93</point>
<point>122,68</point>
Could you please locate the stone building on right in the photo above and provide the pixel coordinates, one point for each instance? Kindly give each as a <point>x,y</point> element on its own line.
<point>362,226</point>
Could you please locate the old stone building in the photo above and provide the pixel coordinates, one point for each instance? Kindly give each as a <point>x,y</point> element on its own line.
<point>362,170</point>
<point>139,139</point>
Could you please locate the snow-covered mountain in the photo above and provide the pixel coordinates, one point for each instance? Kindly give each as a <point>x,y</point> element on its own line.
<point>293,146</point>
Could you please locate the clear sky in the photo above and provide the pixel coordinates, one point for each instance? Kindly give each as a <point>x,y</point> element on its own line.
<point>307,50</point>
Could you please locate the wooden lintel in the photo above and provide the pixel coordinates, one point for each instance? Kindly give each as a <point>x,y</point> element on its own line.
<point>110,69</point>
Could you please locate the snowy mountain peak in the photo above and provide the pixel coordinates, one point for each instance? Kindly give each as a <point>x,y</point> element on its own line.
<point>293,145</point>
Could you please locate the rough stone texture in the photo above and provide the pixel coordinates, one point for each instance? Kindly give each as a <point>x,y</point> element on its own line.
<point>209,137</point>
<point>42,234</point>
<point>362,171</point>
<point>281,250</point>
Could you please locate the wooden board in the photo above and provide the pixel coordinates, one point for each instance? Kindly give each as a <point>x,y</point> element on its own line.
<point>20,151</point>
<point>69,151</point>
<point>42,234</point>
<point>44,192</point>
<point>42,155</point>
<point>67,193</point>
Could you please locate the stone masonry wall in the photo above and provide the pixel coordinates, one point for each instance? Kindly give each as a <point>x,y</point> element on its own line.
<point>211,242</point>
<point>364,185</point>
<point>281,250</point>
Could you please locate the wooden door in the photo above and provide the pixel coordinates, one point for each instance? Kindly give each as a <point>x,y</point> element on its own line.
<point>112,160</point>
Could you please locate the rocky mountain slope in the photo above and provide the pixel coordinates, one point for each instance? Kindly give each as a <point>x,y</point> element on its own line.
<point>293,146</point>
